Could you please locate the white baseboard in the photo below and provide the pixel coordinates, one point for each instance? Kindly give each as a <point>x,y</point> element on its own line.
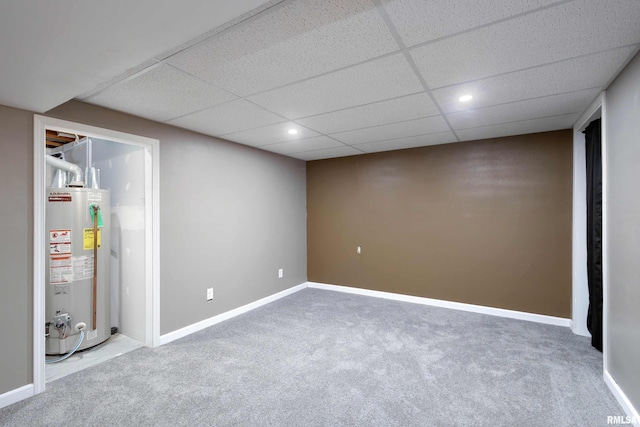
<point>187,330</point>
<point>623,400</point>
<point>580,329</point>
<point>13,396</point>
<point>539,318</point>
<point>501,312</point>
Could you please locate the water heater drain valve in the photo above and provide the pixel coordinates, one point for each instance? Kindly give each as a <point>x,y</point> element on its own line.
<point>62,320</point>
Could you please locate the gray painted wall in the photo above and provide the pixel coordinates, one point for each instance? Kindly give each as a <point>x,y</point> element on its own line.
<point>623,222</point>
<point>16,249</point>
<point>230,216</point>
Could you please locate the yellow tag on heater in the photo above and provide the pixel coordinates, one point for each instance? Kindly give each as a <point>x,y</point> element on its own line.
<point>88,238</point>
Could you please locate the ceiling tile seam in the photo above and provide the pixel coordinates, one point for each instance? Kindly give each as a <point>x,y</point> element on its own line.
<point>200,110</point>
<point>394,32</point>
<point>546,64</point>
<point>524,99</point>
<point>489,24</point>
<point>327,149</point>
<point>326,73</point>
<point>312,128</point>
<point>284,119</point>
<point>153,66</point>
<point>163,57</point>
<point>124,79</point>
<point>273,112</point>
<point>221,29</point>
<point>303,139</point>
<point>386,124</point>
<point>266,147</point>
<point>358,106</point>
<point>522,121</point>
<point>110,82</point>
<point>270,10</point>
<point>207,107</point>
<point>291,153</point>
<point>397,139</point>
<point>343,143</point>
<point>201,80</point>
<point>288,140</point>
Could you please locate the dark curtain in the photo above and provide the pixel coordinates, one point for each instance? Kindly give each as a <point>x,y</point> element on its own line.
<point>594,231</point>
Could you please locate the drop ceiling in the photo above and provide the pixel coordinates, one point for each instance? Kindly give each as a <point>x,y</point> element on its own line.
<point>351,76</point>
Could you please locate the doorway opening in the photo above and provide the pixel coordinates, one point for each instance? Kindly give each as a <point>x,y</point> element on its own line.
<point>128,169</point>
<point>580,287</point>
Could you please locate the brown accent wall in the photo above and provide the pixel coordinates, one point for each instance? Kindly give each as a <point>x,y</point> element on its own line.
<point>482,222</point>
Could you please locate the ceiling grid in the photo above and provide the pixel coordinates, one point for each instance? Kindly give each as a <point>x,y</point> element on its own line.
<point>347,76</point>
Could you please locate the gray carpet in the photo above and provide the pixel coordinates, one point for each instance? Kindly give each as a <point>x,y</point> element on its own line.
<point>323,358</point>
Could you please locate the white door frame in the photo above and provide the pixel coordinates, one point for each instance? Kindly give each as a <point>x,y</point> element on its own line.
<point>152,231</point>
<point>580,292</point>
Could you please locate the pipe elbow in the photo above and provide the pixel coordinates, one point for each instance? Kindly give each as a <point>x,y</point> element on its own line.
<point>76,179</point>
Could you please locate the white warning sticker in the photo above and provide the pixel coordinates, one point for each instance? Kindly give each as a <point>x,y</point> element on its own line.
<point>60,236</point>
<point>59,242</point>
<point>82,267</point>
<point>92,335</point>
<point>94,197</point>
<point>60,248</point>
<point>60,269</point>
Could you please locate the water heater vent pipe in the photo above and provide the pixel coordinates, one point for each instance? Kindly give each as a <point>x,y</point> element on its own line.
<point>76,179</point>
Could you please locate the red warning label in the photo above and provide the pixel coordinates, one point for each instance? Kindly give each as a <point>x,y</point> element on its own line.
<point>60,197</point>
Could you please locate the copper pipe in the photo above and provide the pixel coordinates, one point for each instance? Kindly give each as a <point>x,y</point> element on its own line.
<point>95,208</point>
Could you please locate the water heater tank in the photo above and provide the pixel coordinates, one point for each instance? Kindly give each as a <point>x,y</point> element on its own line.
<point>69,296</point>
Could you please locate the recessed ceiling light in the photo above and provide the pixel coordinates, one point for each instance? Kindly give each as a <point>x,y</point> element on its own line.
<point>465,98</point>
<point>292,131</point>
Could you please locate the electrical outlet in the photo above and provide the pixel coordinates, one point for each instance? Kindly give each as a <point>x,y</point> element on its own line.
<point>280,273</point>
<point>209,294</point>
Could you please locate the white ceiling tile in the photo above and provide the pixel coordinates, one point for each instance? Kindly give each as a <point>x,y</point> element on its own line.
<point>161,93</point>
<point>298,146</point>
<point>568,30</point>
<point>384,78</point>
<point>130,73</point>
<point>422,126</point>
<point>411,142</point>
<point>54,51</point>
<point>378,113</point>
<point>270,134</point>
<point>252,14</point>
<point>295,41</point>
<point>332,67</point>
<point>586,72</point>
<point>327,153</point>
<point>446,17</point>
<point>519,128</point>
<point>573,102</point>
<point>231,117</point>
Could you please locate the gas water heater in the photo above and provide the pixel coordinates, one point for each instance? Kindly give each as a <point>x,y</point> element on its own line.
<point>77,293</point>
